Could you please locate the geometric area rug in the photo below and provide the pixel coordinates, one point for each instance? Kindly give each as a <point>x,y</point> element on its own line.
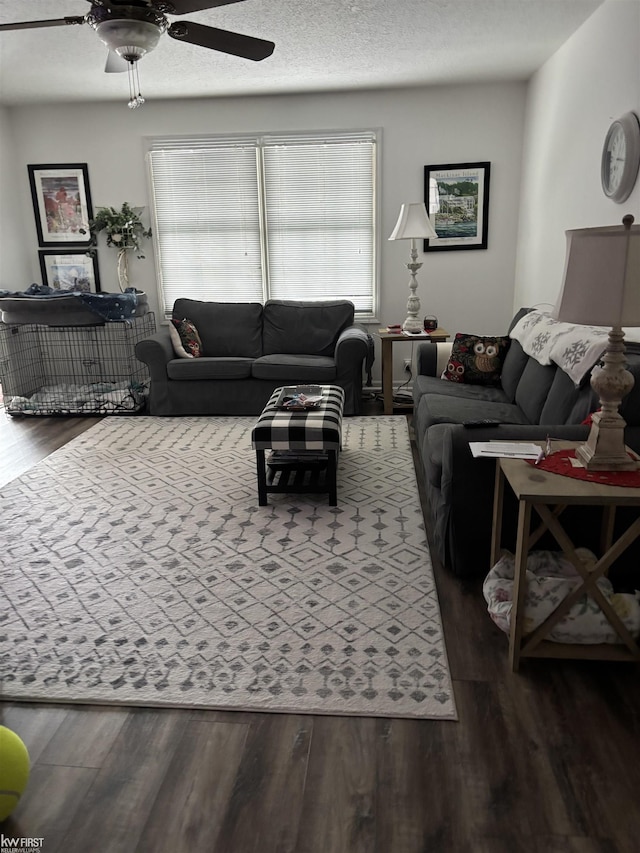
<point>137,568</point>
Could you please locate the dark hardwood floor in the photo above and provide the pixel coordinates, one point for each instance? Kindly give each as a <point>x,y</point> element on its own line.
<point>545,761</point>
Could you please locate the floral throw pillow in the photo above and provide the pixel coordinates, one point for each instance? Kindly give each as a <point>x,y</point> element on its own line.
<point>185,338</point>
<point>476,359</point>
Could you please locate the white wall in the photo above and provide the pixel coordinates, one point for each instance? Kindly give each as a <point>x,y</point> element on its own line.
<point>593,79</point>
<point>544,143</point>
<point>467,290</point>
<point>15,251</point>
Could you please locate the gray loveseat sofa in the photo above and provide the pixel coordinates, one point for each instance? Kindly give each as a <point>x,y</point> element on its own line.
<point>531,401</point>
<point>249,350</point>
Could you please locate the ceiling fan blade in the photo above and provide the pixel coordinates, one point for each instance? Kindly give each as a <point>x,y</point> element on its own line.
<point>52,22</point>
<point>225,41</point>
<point>183,7</point>
<point>115,64</point>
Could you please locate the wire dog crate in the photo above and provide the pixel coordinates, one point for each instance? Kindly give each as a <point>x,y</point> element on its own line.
<point>74,370</point>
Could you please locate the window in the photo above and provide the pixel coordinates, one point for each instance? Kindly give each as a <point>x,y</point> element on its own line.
<point>270,217</point>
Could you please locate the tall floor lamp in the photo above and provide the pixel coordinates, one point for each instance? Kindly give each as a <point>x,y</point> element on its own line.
<point>413,224</point>
<point>602,288</point>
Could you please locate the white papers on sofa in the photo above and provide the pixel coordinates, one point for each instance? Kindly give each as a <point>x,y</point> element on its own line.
<point>512,449</point>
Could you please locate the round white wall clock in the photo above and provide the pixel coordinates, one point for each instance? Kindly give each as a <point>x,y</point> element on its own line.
<point>621,158</point>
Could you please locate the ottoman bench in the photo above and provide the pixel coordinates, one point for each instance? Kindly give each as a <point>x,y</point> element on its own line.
<point>305,445</point>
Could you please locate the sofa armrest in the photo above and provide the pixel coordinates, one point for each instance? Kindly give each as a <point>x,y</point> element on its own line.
<point>156,352</point>
<point>352,347</point>
<point>351,353</point>
<point>432,358</point>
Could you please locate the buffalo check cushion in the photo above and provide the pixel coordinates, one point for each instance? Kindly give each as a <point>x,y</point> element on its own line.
<point>319,428</point>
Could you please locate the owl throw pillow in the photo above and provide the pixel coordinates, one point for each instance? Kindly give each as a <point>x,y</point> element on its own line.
<point>476,359</point>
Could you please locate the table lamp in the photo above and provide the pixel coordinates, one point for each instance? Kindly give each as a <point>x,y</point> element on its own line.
<point>602,287</point>
<point>413,224</point>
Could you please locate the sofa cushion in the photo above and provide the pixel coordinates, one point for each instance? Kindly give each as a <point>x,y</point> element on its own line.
<point>303,327</point>
<point>294,369</point>
<point>227,329</point>
<point>566,404</point>
<point>533,388</point>
<point>513,367</point>
<point>435,385</point>
<point>476,359</point>
<point>441,409</point>
<point>427,386</point>
<point>209,368</point>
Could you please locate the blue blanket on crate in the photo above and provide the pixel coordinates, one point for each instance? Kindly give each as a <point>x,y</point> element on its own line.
<point>107,306</point>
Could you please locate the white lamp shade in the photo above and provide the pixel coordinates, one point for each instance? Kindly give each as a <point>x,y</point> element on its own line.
<point>601,284</point>
<point>413,223</point>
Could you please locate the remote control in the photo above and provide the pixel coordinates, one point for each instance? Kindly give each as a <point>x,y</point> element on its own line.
<point>482,423</point>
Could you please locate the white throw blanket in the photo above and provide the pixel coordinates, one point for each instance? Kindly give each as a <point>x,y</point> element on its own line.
<point>575,349</point>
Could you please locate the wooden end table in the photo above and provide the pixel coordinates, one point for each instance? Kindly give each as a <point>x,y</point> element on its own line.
<point>388,339</point>
<point>549,494</point>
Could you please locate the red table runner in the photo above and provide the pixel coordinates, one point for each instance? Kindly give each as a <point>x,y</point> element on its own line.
<point>559,462</point>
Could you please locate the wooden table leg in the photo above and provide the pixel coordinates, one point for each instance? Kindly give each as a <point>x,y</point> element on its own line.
<point>332,478</point>
<point>387,376</point>
<point>262,477</point>
<point>519,584</point>
<point>496,528</point>
<point>606,533</point>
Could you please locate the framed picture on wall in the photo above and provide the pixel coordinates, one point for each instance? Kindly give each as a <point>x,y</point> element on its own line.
<point>61,203</point>
<point>457,198</point>
<point>77,270</point>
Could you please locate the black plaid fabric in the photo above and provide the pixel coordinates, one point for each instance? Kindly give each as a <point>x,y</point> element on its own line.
<point>319,428</point>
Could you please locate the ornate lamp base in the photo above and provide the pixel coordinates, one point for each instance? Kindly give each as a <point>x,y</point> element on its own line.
<point>412,323</point>
<point>605,450</point>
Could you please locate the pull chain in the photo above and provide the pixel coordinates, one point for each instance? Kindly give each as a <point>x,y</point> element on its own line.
<point>135,98</point>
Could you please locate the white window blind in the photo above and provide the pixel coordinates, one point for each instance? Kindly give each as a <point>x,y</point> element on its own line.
<point>319,220</point>
<point>283,217</point>
<point>207,222</point>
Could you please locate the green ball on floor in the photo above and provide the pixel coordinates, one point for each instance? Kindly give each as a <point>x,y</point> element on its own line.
<point>14,771</point>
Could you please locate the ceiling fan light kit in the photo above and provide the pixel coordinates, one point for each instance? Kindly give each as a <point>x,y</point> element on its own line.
<point>129,38</point>
<point>132,29</point>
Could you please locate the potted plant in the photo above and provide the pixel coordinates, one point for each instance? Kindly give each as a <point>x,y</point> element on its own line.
<point>124,231</point>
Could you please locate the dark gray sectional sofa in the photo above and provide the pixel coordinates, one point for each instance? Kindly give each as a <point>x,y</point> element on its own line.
<point>531,402</point>
<point>249,350</point>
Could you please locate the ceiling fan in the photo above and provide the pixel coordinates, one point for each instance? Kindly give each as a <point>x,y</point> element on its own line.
<point>133,28</point>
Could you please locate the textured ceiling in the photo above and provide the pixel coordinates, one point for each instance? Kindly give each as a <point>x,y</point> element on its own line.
<point>321,46</point>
